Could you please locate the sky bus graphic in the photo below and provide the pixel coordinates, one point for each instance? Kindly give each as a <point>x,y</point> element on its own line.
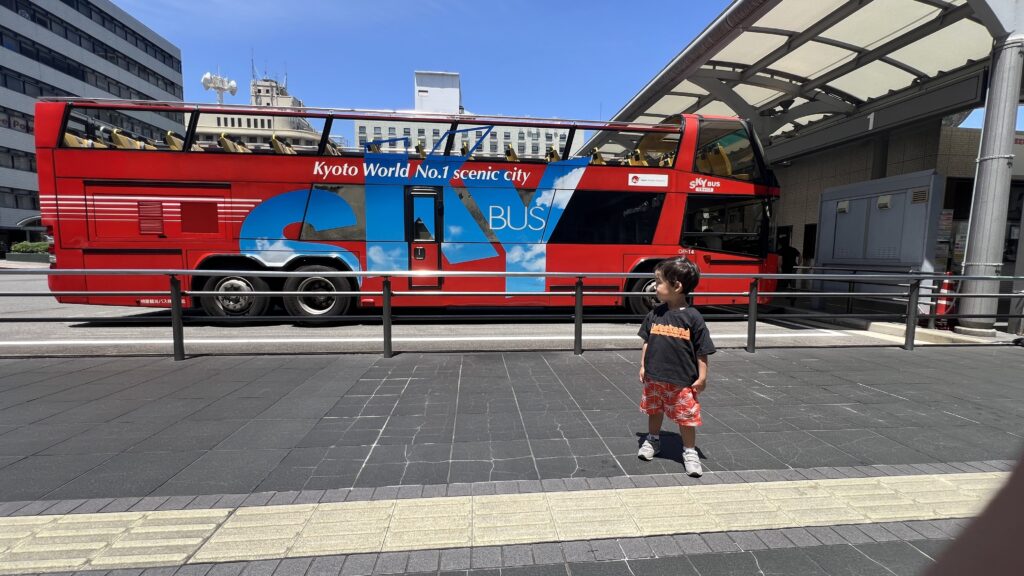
<point>628,202</point>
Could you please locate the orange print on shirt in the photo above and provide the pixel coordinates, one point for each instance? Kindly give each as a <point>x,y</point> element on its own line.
<point>671,331</point>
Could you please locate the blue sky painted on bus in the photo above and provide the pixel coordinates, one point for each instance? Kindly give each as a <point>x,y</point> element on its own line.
<point>576,59</point>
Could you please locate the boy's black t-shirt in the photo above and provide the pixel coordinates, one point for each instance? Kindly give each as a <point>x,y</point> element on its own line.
<point>674,338</point>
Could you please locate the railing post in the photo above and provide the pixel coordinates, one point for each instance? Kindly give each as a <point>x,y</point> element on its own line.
<point>912,298</point>
<point>577,346</point>
<point>752,318</point>
<point>177,329</point>
<point>387,318</point>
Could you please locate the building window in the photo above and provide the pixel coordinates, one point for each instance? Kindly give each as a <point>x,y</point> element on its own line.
<point>218,121</point>
<point>421,132</point>
<point>522,148</point>
<point>522,136</point>
<point>436,133</point>
<point>535,148</point>
<point>248,122</point>
<point>362,129</point>
<point>391,131</point>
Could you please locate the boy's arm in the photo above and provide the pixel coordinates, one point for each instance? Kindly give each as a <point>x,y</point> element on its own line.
<point>643,354</point>
<point>702,374</point>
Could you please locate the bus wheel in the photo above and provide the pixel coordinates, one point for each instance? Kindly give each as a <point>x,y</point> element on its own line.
<point>233,298</point>
<point>646,303</point>
<point>316,303</point>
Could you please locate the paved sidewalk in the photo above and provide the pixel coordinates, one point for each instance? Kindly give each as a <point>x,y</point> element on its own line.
<point>110,445</point>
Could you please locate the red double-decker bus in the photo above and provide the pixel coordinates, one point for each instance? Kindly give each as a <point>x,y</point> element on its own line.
<point>463,199</point>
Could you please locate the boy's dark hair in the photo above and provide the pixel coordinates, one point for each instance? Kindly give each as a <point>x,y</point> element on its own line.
<point>682,270</point>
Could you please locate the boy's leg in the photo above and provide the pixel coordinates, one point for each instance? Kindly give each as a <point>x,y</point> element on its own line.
<point>691,460</point>
<point>689,434</point>
<point>654,423</point>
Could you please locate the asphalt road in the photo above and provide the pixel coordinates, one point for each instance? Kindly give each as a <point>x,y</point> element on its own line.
<point>435,330</point>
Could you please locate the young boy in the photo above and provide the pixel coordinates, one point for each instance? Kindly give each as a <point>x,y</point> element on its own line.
<point>674,364</point>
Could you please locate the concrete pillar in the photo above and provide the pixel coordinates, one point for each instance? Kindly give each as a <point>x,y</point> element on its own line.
<point>992,185</point>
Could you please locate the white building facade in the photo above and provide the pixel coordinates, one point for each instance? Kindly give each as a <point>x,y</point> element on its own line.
<point>440,93</point>
<point>87,48</point>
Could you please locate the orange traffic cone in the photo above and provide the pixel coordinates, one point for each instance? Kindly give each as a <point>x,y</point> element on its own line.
<point>945,304</point>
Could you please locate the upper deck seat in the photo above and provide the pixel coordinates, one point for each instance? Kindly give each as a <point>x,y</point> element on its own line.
<point>233,146</point>
<point>331,149</point>
<point>177,143</point>
<point>510,153</point>
<point>124,142</point>
<point>596,158</point>
<point>73,141</point>
<point>281,147</point>
<point>636,158</point>
<point>552,154</point>
<point>719,161</point>
<point>421,150</point>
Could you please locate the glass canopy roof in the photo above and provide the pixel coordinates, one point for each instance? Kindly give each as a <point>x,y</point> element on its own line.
<point>786,64</point>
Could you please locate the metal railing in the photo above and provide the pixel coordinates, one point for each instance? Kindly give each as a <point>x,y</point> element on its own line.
<point>910,316</point>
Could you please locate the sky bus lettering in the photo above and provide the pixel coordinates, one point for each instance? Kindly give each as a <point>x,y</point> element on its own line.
<point>631,196</point>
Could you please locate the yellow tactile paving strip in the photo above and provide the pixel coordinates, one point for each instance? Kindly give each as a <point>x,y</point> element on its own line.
<point>142,539</point>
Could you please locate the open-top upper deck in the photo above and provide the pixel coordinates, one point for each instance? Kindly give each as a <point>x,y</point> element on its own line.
<point>246,129</point>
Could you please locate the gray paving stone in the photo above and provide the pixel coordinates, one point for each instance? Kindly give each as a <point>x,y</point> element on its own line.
<point>692,544</point>
<point>484,488</point>
<point>198,570</point>
<point>547,553</point>
<point>422,561</point>
<point>607,550</point>
<point>406,492</point>
<point>825,535</point>
<point>1003,465</point>
<point>530,486</point>
<point>579,551</point>
<point>790,474</point>
<point>622,482</point>
<point>908,470</point>
<point>391,563</point>
<point>950,527</point>
<point>359,494</point>
<point>66,506</point>
<point>518,555</point>
<point>283,498</point>
<point>747,541</point>
<point>460,489</point>
<point>385,493</point>
<point>486,557</point>
<point>235,568</point>
<point>258,499</point>
<point>231,500</point>
<point>852,534</point>
<point>635,548</point>
<point>850,472</point>
<point>506,487</point>
<point>93,505</point>
<point>205,502</point>
<point>719,542</point>
<point>309,496</point>
<point>944,468</point>
<point>926,529</point>
<point>34,508</point>
<point>164,571</point>
<point>750,476</point>
<point>335,495</point>
<point>435,490</point>
<point>359,565</point>
<point>599,484</point>
<point>293,567</point>
<point>811,474</point>
<point>800,537</point>
<point>901,530</point>
<point>131,572</point>
<point>261,568</point>
<point>888,470</point>
<point>729,478</point>
<point>644,482</point>
<point>553,485</point>
<point>576,484</point>
<point>327,566</point>
<point>774,538</point>
<point>663,546</point>
<point>964,467</point>
<point>666,480</point>
<point>771,475</point>
<point>455,559</point>
<point>877,533</point>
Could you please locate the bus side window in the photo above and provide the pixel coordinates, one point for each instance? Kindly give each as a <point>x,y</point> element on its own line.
<point>724,149</point>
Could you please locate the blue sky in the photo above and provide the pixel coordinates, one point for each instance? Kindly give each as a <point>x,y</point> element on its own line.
<point>544,58</point>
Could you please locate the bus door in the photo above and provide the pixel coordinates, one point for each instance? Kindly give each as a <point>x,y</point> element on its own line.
<point>424,213</point>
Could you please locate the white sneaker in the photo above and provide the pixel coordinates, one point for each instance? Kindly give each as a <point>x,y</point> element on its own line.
<point>691,461</point>
<point>649,449</point>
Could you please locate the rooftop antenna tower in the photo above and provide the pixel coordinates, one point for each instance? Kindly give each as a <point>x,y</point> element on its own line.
<point>220,84</point>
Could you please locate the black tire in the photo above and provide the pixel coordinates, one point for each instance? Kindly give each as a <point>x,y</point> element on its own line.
<point>642,305</point>
<point>235,302</point>
<point>317,306</point>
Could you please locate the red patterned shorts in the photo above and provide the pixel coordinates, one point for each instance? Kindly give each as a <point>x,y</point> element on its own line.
<point>678,402</point>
